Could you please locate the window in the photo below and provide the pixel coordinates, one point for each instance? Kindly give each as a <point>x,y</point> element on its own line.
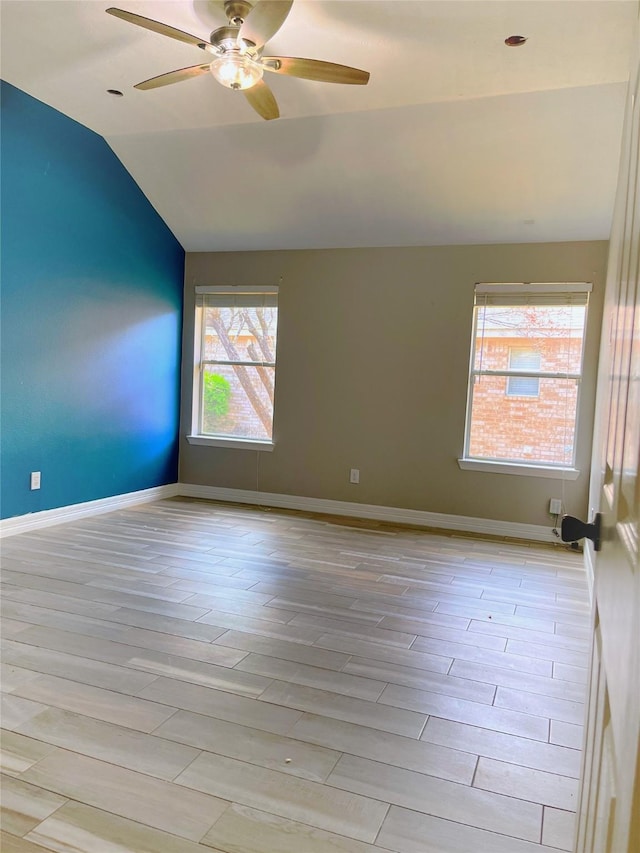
<point>525,373</point>
<point>235,364</point>
<point>523,359</point>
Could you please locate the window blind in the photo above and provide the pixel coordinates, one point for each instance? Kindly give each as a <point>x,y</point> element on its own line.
<point>256,296</point>
<point>560,293</point>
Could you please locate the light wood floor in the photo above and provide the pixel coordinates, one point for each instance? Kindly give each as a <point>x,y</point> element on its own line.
<point>188,676</point>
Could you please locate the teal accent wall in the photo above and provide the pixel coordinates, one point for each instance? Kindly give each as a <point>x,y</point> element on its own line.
<point>91,317</point>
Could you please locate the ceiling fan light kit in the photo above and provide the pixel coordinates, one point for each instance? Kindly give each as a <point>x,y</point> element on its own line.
<point>236,71</point>
<point>238,62</point>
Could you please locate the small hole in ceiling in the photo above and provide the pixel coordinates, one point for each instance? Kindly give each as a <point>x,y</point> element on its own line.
<point>515,41</point>
<point>115,92</point>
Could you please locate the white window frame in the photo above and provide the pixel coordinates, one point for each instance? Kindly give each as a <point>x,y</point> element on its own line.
<point>264,294</point>
<point>523,293</point>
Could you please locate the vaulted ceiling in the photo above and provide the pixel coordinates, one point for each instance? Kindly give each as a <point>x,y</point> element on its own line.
<point>457,138</point>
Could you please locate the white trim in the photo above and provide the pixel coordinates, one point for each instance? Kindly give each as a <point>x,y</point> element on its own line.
<point>546,472</point>
<point>233,443</point>
<point>394,515</point>
<point>397,515</point>
<point>49,517</point>
<point>589,567</point>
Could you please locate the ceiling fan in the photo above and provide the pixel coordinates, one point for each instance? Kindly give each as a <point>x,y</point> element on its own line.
<point>237,49</point>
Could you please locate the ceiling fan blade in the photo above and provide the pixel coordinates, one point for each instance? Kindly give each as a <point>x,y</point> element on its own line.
<point>172,77</point>
<point>262,100</point>
<point>158,27</point>
<point>264,21</point>
<point>315,69</point>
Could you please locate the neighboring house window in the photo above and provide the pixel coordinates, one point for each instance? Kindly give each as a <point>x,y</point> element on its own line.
<point>523,360</point>
<point>524,378</point>
<point>235,363</point>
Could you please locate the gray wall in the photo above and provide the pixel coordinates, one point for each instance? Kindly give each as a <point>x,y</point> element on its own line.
<point>373,354</point>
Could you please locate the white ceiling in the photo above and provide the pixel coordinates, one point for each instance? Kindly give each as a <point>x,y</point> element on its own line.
<point>456,138</point>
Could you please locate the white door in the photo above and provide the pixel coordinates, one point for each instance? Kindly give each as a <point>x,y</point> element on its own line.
<point>609,810</point>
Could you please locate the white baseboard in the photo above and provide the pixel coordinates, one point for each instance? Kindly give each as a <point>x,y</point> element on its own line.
<point>589,567</point>
<point>397,515</point>
<point>49,517</point>
<point>510,529</point>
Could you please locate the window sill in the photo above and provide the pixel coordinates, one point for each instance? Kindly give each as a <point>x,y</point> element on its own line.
<point>231,443</point>
<point>545,471</point>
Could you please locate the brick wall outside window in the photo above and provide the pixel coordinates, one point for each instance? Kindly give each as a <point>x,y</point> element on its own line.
<point>537,429</point>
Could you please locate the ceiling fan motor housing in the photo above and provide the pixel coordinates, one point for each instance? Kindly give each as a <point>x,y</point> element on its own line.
<point>225,40</point>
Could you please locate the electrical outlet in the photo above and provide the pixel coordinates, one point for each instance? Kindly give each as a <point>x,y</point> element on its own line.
<point>35,480</point>
<point>354,476</point>
<point>555,506</point>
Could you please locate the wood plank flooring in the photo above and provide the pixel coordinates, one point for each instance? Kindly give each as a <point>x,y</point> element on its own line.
<point>189,677</point>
